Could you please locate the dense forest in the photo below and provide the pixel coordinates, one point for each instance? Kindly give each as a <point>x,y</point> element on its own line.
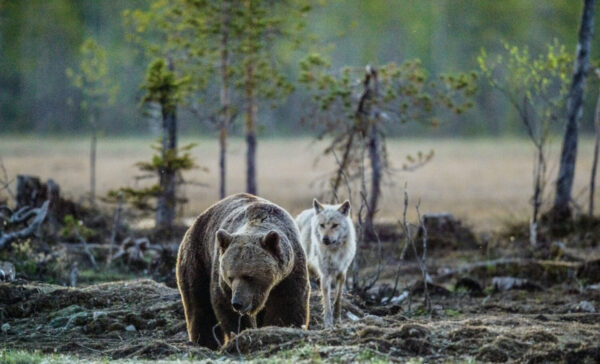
<point>39,40</point>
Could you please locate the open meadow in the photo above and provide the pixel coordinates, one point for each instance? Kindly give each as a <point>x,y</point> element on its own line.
<point>486,182</point>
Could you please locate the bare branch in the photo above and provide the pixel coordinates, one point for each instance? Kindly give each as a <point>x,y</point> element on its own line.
<point>40,215</point>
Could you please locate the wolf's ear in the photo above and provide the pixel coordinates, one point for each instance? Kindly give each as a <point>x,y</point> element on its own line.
<point>224,239</point>
<point>270,243</point>
<point>344,209</point>
<point>317,205</point>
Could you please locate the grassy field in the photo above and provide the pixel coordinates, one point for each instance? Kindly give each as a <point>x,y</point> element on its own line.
<point>485,181</point>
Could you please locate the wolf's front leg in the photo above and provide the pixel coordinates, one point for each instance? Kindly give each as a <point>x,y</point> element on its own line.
<point>326,294</point>
<point>340,281</point>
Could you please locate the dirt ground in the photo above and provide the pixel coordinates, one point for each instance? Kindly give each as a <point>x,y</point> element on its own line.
<point>554,319</point>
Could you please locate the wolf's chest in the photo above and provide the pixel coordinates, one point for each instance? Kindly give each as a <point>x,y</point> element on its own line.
<point>333,261</point>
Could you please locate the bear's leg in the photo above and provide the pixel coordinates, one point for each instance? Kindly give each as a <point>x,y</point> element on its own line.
<point>288,303</point>
<point>326,299</point>
<point>229,320</point>
<point>199,316</point>
<point>337,313</point>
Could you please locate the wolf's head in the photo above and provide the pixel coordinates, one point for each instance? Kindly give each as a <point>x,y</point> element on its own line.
<point>331,223</point>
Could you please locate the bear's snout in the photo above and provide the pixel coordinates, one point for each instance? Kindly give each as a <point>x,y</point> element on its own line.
<point>239,306</point>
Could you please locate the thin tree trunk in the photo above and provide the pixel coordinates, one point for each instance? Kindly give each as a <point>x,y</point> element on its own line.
<point>374,156</point>
<point>93,159</point>
<point>564,183</point>
<point>540,167</point>
<point>251,109</point>
<point>343,164</point>
<point>165,209</point>
<point>596,147</point>
<point>225,99</point>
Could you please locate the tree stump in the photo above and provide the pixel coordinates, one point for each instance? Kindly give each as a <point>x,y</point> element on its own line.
<point>444,231</point>
<point>30,192</point>
<point>53,195</point>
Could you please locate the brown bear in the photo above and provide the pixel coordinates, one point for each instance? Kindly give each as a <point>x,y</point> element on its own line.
<point>242,257</point>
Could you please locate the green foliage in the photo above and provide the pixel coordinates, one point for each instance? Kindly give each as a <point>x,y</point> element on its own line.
<point>24,258</point>
<point>395,94</point>
<point>193,34</point>
<point>92,77</point>
<point>178,160</point>
<point>73,227</point>
<point>10,356</point>
<point>162,86</point>
<point>536,85</point>
<point>406,91</point>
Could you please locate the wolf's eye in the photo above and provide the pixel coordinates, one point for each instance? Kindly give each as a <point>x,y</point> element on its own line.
<point>334,226</point>
<point>322,226</point>
<point>230,279</point>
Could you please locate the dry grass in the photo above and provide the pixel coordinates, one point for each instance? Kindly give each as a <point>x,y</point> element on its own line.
<point>484,181</point>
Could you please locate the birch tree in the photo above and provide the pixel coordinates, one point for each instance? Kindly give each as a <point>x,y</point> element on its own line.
<point>92,78</point>
<point>568,156</point>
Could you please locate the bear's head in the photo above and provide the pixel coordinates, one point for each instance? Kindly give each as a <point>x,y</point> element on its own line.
<point>250,266</point>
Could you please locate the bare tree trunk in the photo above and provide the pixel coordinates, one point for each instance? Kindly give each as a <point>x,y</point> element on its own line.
<point>225,98</point>
<point>564,183</point>
<point>165,207</point>
<point>374,156</point>
<point>93,159</point>
<point>596,147</point>
<point>539,173</point>
<point>368,111</point>
<point>251,109</point>
<point>342,165</point>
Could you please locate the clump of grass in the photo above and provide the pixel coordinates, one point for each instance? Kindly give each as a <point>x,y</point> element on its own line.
<point>10,356</point>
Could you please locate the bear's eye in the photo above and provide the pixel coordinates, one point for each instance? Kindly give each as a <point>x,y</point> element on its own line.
<point>322,226</point>
<point>334,226</point>
<point>230,279</point>
<point>247,278</point>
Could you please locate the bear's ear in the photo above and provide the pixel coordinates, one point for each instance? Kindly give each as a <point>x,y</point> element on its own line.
<point>224,239</point>
<point>317,205</point>
<point>270,243</point>
<point>344,209</point>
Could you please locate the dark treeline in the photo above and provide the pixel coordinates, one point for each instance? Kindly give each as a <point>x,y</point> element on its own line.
<point>40,39</point>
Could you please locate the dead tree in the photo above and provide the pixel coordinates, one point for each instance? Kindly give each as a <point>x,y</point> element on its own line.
<point>22,216</point>
<point>116,225</point>
<point>568,157</point>
<point>368,114</point>
<point>29,192</point>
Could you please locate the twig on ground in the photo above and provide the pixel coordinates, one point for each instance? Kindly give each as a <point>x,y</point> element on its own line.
<point>215,334</point>
<point>423,262</point>
<point>5,182</point>
<point>86,249</point>
<point>116,225</point>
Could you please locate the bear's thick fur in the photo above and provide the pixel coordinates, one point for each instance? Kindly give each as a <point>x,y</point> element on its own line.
<point>242,255</point>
